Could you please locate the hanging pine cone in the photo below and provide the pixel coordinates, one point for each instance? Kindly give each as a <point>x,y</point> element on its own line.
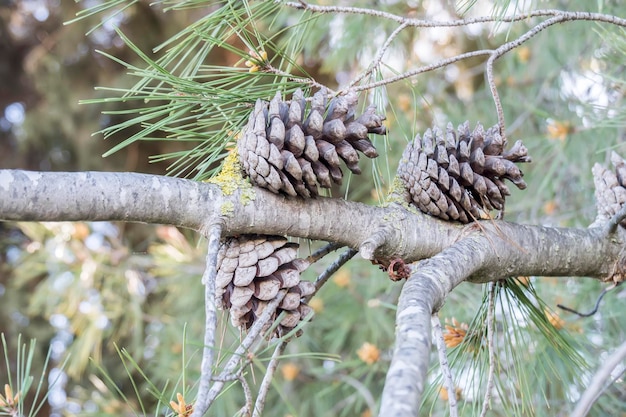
<point>610,188</point>
<point>290,150</point>
<point>251,270</point>
<point>460,175</point>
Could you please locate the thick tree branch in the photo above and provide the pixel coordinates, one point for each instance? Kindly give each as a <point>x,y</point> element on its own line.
<point>390,232</point>
<point>423,294</point>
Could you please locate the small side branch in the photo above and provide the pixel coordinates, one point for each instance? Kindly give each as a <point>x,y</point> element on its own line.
<point>490,345</point>
<point>598,383</point>
<point>332,268</point>
<point>426,68</point>
<point>323,251</point>
<point>445,366</point>
<point>379,56</point>
<point>267,379</point>
<point>253,333</point>
<point>208,352</point>
<point>612,225</point>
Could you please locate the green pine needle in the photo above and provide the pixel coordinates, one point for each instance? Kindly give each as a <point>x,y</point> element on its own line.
<point>179,97</point>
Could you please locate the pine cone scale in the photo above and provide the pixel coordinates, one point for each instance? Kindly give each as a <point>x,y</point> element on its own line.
<point>259,267</point>
<point>280,135</point>
<point>460,174</point>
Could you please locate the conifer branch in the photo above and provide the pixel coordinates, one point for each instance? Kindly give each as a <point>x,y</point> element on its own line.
<point>423,295</point>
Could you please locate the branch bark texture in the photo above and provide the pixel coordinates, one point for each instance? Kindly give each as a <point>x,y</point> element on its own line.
<point>394,231</point>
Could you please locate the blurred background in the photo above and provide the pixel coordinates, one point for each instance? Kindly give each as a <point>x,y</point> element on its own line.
<point>106,300</point>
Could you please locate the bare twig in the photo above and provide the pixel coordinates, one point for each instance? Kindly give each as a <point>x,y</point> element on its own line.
<point>208,352</point>
<point>490,345</point>
<point>555,16</point>
<point>439,64</point>
<point>503,49</point>
<point>595,308</point>
<point>247,393</point>
<point>267,379</point>
<point>332,268</point>
<point>280,348</point>
<point>445,367</point>
<point>244,346</point>
<point>459,22</point>
<point>379,56</point>
<point>612,225</point>
<point>323,251</point>
<point>598,383</point>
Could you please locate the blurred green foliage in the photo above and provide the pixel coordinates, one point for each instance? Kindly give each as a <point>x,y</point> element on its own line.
<point>125,301</point>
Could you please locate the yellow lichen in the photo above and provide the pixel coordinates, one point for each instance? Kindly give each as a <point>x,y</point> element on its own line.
<point>227,208</point>
<point>397,192</point>
<point>230,179</point>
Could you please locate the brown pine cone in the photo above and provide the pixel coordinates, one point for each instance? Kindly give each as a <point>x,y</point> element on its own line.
<point>292,150</point>
<point>251,270</point>
<point>460,175</point>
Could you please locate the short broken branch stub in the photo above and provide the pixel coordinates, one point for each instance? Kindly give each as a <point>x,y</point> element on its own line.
<point>396,268</point>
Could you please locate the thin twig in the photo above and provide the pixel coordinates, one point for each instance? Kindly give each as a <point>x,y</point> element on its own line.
<point>379,56</point>
<point>595,308</point>
<point>267,379</point>
<point>319,282</point>
<point>611,227</point>
<point>253,334</point>
<point>332,268</point>
<point>439,64</point>
<point>208,352</point>
<point>503,49</point>
<point>308,81</point>
<point>570,16</point>
<point>247,393</point>
<point>556,16</point>
<point>598,381</point>
<point>490,345</point>
<point>445,366</point>
<point>323,251</point>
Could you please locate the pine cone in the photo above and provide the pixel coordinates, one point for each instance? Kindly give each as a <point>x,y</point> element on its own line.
<point>610,188</point>
<point>290,150</point>
<point>251,270</point>
<point>459,175</point>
